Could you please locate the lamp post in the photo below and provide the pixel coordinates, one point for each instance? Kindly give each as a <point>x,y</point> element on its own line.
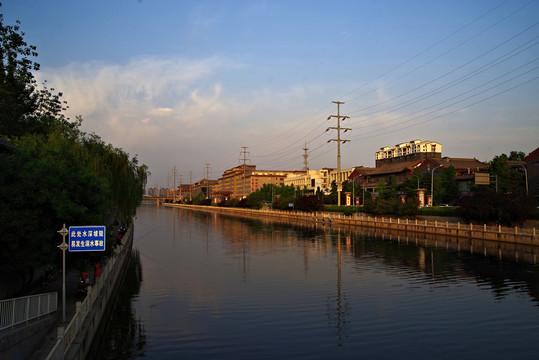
<point>362,188</point>
<point>432,184</point>
<point>417,180</point>
<point>272,185</point>
<point>353,192</point>
<point>526,176</point>
<point>63,246</point>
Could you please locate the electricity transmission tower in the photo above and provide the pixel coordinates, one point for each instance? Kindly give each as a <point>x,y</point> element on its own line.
<point>207,181</point>
<point>174,174</point>
<point>191,186</point>
<point>244,152</point>
<point>339,141</point>
<point>305,156</point>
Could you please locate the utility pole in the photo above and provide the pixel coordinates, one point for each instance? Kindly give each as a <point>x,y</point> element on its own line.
<point>305,156</point>
<point>190,186</point>
<point>244,152</point>
<point>174,174</point>
<point>339,141</point>
<point>180,187</point>
<point>207,181</point>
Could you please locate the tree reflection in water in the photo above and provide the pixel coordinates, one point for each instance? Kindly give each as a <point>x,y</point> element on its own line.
<point>126,336</point>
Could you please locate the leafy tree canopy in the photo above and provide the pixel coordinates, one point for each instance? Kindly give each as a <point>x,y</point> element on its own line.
<point>58,174</point>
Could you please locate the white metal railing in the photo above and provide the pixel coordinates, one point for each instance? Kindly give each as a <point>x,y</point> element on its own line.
<point>19,310</point>
<point>373,220</point>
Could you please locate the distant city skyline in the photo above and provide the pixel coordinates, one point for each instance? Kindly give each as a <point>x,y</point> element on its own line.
<point>187,84</point>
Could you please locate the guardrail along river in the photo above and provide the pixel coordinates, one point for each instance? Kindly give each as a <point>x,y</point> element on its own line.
<point>210,286</point>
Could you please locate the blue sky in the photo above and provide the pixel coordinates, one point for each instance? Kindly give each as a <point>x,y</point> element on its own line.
<point>188,83</point>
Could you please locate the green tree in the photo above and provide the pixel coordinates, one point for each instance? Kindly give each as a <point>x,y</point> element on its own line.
<point>446,189</point>
<point>517,156</point>
<point>58,174</point>
<point>489,207</point>
<point>308,203</point>
<point>17,83</point>
<point>199,198</point>
<point>508,180</point>
<point>39,193</point>
<point>24,109</point>
<point>387,190</point>
<point>332,197</point>
<point>410,185</point>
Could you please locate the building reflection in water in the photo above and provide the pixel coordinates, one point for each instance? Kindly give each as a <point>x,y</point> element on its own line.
<point>419,252</point>
<point>432,260</point>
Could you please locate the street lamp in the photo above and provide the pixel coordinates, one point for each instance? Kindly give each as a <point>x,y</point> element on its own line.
<point>526,176</point>
<point>63,246</point>
<point>417,179</point>
<point>432,184</point>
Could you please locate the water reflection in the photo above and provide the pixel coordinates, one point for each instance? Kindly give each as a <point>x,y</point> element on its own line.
<point>501,265</point>
<point>223,287</point>
<point>338,305</point>
<point>122,335</point>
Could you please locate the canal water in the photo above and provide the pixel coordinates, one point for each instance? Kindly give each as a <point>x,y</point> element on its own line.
<point>209,286</point>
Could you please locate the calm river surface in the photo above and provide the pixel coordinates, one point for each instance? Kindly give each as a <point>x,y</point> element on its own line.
<point>207,286</point>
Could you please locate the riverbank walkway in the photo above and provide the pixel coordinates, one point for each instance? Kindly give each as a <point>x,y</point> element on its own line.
<point>47,327</point>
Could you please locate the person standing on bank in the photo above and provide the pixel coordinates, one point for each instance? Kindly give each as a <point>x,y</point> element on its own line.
<point>97,271</point>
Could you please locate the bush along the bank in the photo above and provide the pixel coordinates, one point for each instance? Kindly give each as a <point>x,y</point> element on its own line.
<point>438,211</point>
<point>490,207</point>
<point>346,210</point>
<point>392,206</point>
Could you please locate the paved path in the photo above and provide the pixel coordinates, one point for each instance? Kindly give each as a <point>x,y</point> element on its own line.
<point>72,281</point>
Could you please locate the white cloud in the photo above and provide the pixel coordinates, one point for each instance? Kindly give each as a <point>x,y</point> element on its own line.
<point>174,110</point>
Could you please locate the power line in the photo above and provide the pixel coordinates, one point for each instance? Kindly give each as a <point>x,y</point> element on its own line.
<point>425,50</point>
<point>457,68</point>
<point>455,110</point>
<point>449,85</point>
<point>448,51</point>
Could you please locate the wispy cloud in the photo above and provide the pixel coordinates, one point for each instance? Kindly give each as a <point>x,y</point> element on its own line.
<point>165,109</point>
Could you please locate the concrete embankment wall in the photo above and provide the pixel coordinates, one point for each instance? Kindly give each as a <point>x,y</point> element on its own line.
<point>441,228</point>
<point>108,289</point>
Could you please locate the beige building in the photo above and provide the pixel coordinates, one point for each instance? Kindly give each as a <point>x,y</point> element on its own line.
<point>334,175</point>
<point>412,150</point>
<point>240,181</point>
<point>312,180</point>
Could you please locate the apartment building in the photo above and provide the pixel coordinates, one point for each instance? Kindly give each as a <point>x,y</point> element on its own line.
<point>465,168</point>
<point>344,175</point>
<point>408,151</point>
<point>311,179</point>
<point>241,180</point>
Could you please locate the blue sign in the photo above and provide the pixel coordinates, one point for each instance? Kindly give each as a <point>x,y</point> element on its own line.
<point>87,238</point>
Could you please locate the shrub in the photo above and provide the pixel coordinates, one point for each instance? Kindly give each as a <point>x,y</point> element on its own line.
<point>492,207</point>
<point>308,203</point>
<point>206,202</point>
<point>348,211</point>
<point>438,211</point>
